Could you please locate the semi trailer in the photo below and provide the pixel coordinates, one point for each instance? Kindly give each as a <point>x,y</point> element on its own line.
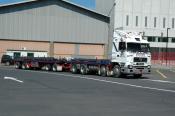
<point>130,56</point>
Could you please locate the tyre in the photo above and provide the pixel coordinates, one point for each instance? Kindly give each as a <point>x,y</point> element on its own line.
<point>27,66</point>
<point>108,72</point>
<point>137,75</point>
<point>54,68</point>
<point>7,63</point>
<point>48,67</point>
<point>17,65</point>
<point>116,71</point>
<point>23,66</point>
<point>83,70</point>
<point>103,71</point>
<point>74,69</point>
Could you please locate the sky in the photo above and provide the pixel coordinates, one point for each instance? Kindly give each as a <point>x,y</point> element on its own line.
<point>86,3</point>
<point>9,1</point>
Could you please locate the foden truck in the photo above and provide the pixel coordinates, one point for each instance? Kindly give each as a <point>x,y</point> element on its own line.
<point>130,56</point>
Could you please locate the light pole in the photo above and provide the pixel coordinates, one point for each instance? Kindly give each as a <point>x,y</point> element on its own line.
<point>167,46</point>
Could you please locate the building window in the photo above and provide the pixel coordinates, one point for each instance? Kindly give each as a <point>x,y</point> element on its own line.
<point>127,20</point>
<point>17,54</point>
<point>173,40</point>
<point>146,21</point>
<point>164,22</point>
<point>151,39</point>
<point>155,21</point>
<point>30,54</point>
<point>162,39</point>
<point>137,18</point>
<point>173,22</point>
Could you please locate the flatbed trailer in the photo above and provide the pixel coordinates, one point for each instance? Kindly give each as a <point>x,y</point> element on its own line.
<point>102,67</point>
<point>44,63</point>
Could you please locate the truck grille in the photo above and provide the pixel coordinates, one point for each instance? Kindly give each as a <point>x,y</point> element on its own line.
<point>138,59</point>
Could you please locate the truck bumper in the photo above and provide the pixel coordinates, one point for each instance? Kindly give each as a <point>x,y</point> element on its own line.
<point>135,70</point>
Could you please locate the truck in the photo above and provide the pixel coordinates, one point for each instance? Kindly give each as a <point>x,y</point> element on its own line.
<point>130,56</point>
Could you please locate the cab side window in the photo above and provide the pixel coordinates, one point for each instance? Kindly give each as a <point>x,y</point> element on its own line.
<point>122,46</point>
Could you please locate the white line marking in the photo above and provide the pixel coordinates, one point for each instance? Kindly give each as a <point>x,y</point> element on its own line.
<point>160,81</point>
<point>14,79</point>
<point>112,82</point>
<point>161,74</point>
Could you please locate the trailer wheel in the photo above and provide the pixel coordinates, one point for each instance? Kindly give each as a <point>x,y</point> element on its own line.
<point>27,66</point>
<point>74,69</point>
<point>7,63</point>
<point>108,72</point>
<point>23,66</point>
<point>17,65</point>
<point>103,71</point>
<point>54,67</point>
<point>137,75</point>
<point>83,70</point>
<point>48,67</point>
<point>116,71</point>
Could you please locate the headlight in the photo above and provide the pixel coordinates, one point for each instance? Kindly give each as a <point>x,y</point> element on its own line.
<point>149,66</point>
<point>130,66</point>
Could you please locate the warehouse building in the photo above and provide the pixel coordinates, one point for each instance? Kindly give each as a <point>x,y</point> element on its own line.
<point>58,26</point>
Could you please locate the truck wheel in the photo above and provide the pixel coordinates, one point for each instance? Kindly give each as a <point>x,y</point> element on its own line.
<point>108,72</point>
<point>23,66</point>
<point>137,75</point>
<point>27,66</point>
<point>83,70</point>
<point>103,71</point>
<point>54,67</point>
<point>116,71</point>
<point>17,65</point>
<point>48,67</point>
<point>7,63</point>
<point>74,69</point>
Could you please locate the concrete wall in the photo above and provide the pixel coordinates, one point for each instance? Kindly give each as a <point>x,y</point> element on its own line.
<point>146,8</point>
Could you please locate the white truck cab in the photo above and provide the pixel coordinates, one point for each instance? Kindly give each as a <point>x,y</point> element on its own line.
<point>131,52</point>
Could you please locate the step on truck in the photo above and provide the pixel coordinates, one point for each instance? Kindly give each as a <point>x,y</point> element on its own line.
<point>130,56</point>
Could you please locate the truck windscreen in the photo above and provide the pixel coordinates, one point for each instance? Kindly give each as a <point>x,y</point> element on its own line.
<point>138,47</point>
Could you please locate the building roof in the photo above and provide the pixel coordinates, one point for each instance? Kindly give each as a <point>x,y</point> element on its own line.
<point>105,17</point>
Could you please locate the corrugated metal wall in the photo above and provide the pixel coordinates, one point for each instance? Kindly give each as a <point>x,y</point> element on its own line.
<point>44,21</point>
<point>104,6</point>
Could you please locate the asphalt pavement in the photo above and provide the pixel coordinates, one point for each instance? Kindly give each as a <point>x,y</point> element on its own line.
<point>39,93</point>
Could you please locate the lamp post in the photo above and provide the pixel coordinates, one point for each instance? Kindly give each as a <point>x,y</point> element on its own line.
<point>167,46</point>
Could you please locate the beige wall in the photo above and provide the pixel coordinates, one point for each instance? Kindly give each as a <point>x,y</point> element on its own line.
<point>83,50</point>
<point>18,45</point>
<point>64,49</point>
<point>59,49</point>
<point>92,50</point>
